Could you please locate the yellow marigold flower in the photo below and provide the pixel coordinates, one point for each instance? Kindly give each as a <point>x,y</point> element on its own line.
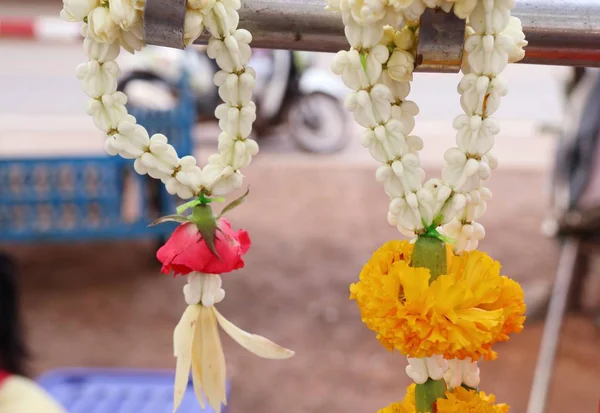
<point>460,314</point>
<point>406,406</point>
<point>461,400</point>
<point>395,408</point>
<point>458,400</point>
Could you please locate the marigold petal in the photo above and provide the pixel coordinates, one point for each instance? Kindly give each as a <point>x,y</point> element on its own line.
<point>461,400</point>
<point>460,314</point>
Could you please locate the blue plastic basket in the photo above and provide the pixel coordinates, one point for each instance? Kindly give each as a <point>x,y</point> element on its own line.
<point>119,391</point>
<point>65,198</point>
<point>80,198</point>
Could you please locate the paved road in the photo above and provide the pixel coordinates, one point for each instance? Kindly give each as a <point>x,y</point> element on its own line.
<point>39,92</point>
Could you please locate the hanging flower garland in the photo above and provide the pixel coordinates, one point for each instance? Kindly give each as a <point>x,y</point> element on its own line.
<point>204,245</point>
<point>439,301</point>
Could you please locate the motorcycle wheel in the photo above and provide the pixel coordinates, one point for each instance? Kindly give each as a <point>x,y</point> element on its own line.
<point>318,123</point>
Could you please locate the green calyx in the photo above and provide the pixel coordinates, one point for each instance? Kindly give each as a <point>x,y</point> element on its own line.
<point>206,222</point>
<point>431,230</point>
<point>430,253</point>
<point>427,394</point>
<point>430,250</point>
<point>200,200</point>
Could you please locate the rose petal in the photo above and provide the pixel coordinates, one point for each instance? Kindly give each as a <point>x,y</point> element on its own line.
<point>184,237</point>
<point>177,269</point>
<point>185,251</point>
<point>244,240</point>
<point>256,344</point>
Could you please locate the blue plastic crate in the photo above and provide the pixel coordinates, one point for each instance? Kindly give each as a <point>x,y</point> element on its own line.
<point>119,391</point>
<point>64,198</point>
<point>81,198</point>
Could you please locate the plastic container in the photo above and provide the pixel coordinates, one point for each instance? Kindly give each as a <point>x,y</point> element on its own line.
<point>119,391</point>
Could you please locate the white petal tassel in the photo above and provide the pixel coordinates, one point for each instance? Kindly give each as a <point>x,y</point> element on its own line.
<point>182,343</point>
<point>212,360</point>
<point>197,344</point>
<point>256,344</point>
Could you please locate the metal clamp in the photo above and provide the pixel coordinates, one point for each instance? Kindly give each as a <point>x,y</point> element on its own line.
<point>163,22</point>
<point>441,42</point>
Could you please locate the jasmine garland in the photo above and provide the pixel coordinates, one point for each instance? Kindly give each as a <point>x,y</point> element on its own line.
<point>413,298</point>
<point>109,25</point>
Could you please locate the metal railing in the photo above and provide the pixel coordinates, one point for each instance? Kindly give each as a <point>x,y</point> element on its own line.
<point>559,32</point>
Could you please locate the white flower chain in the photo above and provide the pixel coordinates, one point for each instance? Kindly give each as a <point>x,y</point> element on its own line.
<point>494,38</point>
<point>378,67</point>
<point>109,24</point>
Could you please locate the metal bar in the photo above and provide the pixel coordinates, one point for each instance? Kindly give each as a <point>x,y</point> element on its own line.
<point>567,267</point>
<point>560,32</point>
<point>441,42</point>
<point>163,22</point>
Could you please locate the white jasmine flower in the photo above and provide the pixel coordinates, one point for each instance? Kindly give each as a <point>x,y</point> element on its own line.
<point>123,13</point>
<point>514,30</point>
<point>462,372</point>
<point>193,26</point>
<point>77,10</point>
<point>102,52</point>
<point>108,111</point>
<point>132,40</point>
<point>401,65</point>
<point>97,78</point>
<point>101,27</point>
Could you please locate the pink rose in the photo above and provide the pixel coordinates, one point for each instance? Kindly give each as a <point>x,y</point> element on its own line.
<point>186,250</point>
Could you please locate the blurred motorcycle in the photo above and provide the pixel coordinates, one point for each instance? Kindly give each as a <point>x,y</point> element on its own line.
<point>290,91</point>
<point>152,78</point>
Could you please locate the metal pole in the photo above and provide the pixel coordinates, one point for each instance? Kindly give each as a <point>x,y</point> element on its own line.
<point>558,306</point>
<point>163,22</point>
<point>560,32</point>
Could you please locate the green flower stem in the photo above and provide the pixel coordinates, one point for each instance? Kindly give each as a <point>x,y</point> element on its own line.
<point>427,393</point>
<point>430,253</point>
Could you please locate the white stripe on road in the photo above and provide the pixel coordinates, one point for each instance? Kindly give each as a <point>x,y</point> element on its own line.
<point>47,123</point>
<point>53,28</point>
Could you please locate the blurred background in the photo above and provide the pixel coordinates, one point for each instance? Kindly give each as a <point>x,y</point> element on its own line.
<point>92,295</point>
